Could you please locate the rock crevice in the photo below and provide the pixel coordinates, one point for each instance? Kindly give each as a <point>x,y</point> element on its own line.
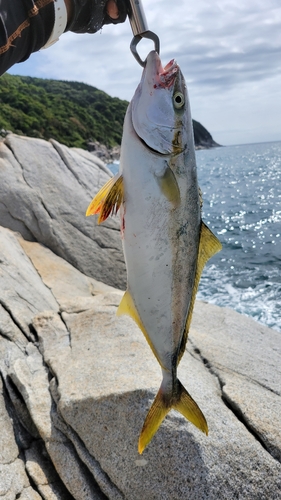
<point>234,407</point>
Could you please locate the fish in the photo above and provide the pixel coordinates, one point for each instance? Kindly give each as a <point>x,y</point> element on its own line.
<point>165,242</point>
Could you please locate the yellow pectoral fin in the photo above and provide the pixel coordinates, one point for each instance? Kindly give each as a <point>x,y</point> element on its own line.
<point>108,200</point>
<point>127,306</point>
<point>169,187</point>
<point>209,245</point>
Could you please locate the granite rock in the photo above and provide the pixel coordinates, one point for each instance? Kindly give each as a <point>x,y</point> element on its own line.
<point>13,477</point>
<point>23,294</point>
<point>45,189</point>
<point>122,383</point>
<point>257,371</point>
<point>78,382</point>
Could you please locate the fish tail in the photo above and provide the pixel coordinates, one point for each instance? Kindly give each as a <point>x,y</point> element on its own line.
<point>178,399</point>
<point>154,418</point>
<point>190,409</point>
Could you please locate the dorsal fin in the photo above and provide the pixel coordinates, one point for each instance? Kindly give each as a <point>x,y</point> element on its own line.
<point>209,245</point>
<point>108,200</point>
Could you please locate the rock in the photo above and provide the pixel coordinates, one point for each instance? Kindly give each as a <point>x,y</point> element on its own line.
<point>42,472</point>
<point>221,344</point>
<point>30,380</point>
<point>13,478</point>
<point>22,366</point>
<point>45,189</point>
<point>203,138</point>
<point>8,448</point>
<point>119,399</point>
<point>29,494</point>
<point>66,283</point>
<point>23,294</point>
<point>258,371</point>
<point>78,382</point>
<point>106,154</point>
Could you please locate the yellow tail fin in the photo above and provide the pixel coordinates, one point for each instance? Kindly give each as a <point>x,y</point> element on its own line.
<point>179,400</point>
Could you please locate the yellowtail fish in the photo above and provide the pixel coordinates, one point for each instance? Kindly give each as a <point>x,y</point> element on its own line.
<point>165,242</point>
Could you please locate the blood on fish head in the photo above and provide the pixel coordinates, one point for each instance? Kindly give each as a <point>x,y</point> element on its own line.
<point>168,75</point>
<point>159,106</point>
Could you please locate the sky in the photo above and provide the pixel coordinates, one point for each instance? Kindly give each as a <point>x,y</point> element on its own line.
<point>229,52</point>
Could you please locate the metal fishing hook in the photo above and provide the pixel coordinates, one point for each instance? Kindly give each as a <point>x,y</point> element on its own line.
<point>140,30</point>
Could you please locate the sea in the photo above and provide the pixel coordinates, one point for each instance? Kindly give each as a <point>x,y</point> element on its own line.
<point>241,188</point>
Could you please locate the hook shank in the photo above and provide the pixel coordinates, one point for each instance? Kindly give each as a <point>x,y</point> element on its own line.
<point>140,29</point>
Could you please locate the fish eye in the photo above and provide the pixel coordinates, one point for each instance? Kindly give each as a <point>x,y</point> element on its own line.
<point>178,100</point>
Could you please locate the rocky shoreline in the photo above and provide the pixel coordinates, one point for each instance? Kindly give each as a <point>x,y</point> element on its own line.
<point>76,381</point>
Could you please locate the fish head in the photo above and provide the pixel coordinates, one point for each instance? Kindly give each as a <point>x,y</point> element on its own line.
<point>160,107</point>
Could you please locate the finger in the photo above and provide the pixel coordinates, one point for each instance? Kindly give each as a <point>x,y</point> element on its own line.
<point>112,9</point>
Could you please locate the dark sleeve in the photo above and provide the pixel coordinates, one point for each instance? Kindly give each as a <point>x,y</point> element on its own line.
<point>25,27</point>
<point>90,16</point>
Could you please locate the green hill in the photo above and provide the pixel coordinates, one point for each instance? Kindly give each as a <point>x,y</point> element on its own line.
<point>73,113</point>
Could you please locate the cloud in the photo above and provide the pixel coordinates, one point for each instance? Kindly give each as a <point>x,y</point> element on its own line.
<point>229,52</point>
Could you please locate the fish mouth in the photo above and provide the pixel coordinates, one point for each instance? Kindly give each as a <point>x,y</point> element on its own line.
<point>166,77</point>
<point>154,151</point>
<point>174,151</point>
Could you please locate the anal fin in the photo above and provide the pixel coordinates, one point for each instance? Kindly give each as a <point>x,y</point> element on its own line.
<point>127,306</point>
<point>108,200</point>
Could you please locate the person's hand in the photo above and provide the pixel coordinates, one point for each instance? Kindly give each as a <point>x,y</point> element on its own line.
<point>88,16</point>
<point>112,9</point>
